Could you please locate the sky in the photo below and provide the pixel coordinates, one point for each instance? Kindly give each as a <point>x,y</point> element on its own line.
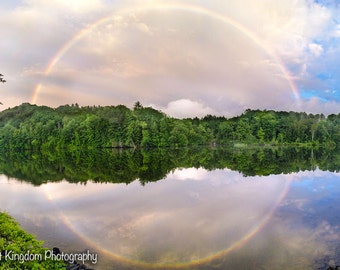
<point>187,58</point>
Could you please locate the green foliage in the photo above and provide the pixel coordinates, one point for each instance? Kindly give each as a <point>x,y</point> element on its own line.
<point>14,240</point>
<point>31,127</point>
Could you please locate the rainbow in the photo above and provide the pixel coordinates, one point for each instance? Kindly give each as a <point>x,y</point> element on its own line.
<point>256,228</point>
<point>203,12</point>
<point>162,7</point>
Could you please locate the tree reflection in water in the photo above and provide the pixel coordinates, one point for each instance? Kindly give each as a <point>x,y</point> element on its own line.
<point>125,166</point>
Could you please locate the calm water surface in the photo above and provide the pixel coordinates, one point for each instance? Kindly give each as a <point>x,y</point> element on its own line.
<point>192,219</point>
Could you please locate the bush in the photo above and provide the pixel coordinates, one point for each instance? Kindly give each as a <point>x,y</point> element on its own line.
<point>20,250</point>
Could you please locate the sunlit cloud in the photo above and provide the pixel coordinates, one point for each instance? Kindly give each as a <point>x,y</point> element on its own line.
<point>187,108</point>
<point>189,55</point>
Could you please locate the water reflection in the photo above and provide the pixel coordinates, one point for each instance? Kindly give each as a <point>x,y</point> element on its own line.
<point>176,221</point>
<point>194,218</point>
<point>118,166</point>
<point>179,220</point>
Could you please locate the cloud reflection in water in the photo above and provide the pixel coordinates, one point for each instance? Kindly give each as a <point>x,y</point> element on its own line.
<point>182,220</point>
<point>170,221</point>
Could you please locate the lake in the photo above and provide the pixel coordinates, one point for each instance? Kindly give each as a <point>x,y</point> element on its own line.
<point>206,208</point>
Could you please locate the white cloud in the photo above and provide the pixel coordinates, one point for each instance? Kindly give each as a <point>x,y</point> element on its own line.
<point>74,6</point>
<point>187,108</point>
<point>316,106</point>
<point>144,28</point>
<point>336,31</point>
<point>315,49</point>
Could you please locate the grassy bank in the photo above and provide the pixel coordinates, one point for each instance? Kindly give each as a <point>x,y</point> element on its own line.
<point>20,250</point>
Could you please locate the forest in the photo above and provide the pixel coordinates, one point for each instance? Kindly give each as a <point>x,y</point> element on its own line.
<point>32,127</point>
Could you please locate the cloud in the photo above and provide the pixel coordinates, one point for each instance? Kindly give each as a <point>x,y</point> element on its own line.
<point>316,105</point>
<point>195,62</point>
<point>336,31</point>
<point>187,108</point>
<point>170,55</point>
<point>315,49</point>
<point>74,7</point>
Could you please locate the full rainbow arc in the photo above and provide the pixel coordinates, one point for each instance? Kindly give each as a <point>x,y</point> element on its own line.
<point>200,11</point>
<point>178,7</point>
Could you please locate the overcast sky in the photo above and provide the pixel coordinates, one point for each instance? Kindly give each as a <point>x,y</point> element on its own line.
<point>187,58</point>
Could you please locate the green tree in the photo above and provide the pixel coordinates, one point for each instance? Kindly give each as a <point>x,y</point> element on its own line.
<point>261,134</point>
<point>225,133</point>
<point>179,134</point>
<point>137,105</point>
<point>243,130</point>
<point>71,126</point>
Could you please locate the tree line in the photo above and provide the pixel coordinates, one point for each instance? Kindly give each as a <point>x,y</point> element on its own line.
<point>74,127</point>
